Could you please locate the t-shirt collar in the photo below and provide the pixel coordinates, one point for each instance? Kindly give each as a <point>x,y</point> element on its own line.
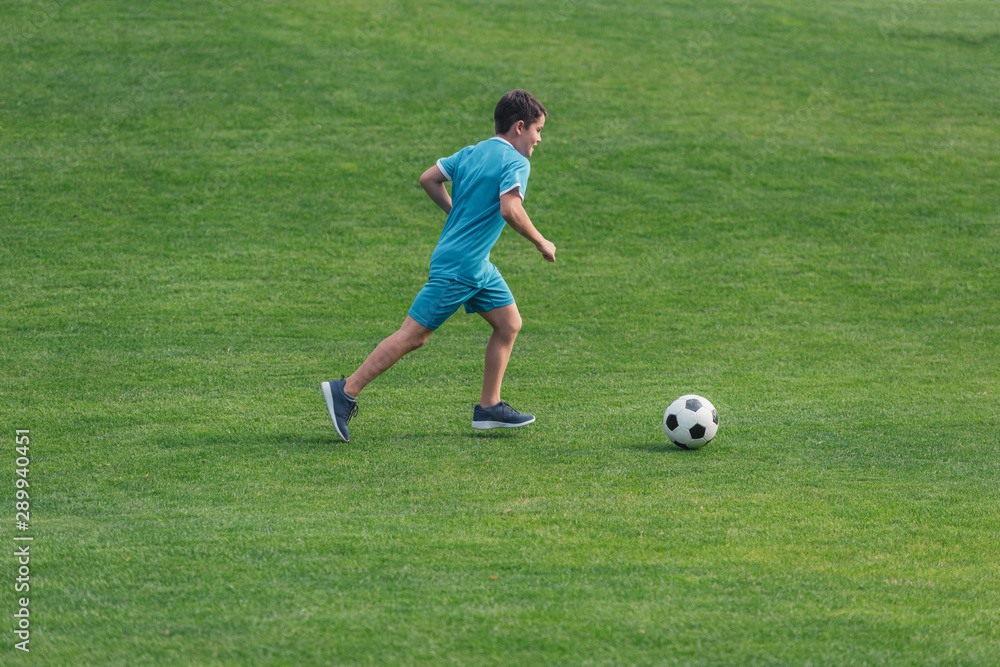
<point>503,140</point>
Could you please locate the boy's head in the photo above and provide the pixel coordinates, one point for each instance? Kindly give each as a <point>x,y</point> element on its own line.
<point>520,116</point>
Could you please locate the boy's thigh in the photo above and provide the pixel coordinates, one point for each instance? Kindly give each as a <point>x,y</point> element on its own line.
<point>494,294</point>
<point>438,300</point>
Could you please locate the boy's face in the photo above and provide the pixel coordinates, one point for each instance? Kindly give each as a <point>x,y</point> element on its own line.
<point>526,136</point>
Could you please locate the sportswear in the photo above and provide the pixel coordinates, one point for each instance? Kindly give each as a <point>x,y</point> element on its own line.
<point>340,405</point>
<point>441,297</point>
<point>479,174</point>
<point>500,415</point>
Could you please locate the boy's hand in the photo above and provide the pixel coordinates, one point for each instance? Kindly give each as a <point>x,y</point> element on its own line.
<point>547,249</point>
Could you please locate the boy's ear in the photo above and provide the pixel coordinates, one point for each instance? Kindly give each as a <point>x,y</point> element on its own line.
<point>519,126</point>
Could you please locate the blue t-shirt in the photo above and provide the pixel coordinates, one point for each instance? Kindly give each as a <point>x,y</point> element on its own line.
<point>479,175</point>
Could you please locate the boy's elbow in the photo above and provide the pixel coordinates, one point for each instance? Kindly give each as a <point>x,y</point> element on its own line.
<point>507,212</point>
<point>509,207</point>
<point>428,177</point>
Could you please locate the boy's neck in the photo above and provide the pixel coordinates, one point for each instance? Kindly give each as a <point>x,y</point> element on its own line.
<point>513,139</point>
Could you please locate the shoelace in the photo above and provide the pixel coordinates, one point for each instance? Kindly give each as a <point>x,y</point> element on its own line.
<point>505,408</point>
<point>353,410</point>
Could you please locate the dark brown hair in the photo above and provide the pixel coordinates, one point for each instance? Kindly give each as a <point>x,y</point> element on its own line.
<point>514,106</point>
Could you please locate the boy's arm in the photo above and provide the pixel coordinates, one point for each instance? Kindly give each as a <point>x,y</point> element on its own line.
<point>433,182</point>
<point>513,212</point>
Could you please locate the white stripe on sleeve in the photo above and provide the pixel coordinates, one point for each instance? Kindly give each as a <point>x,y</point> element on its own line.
<point>516,186</point>
<point>444,171</point>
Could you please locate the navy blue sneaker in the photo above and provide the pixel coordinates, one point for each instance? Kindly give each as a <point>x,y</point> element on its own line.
<point>341,406</point>
<point>500,415</point>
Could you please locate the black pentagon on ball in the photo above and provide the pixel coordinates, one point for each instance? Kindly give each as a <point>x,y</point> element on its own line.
<point>671,421</point>
<point>682,446</point>
<point>697,431</point>
<point>693,404</point>
<point>715,416</point>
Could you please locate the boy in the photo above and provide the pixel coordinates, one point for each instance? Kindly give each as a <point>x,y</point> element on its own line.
<point>489,181</point>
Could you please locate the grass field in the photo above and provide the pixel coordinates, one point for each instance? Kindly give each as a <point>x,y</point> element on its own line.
<point>791,208</point>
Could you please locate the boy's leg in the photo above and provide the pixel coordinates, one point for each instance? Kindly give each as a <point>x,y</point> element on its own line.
<point>409,337</point>
<point>506,323</point>
<point>491,411</point>
<point>340,394</point>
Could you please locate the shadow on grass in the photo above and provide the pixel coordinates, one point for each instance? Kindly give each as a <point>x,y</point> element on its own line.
<point>492,434</point>
<point>298,440</point>
<point>415,436</point>
<point>662,449</point>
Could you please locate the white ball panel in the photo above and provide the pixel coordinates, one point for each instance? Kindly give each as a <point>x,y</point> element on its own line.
<point>710,431</point>
<point>686,418</point>
<point>704,416</point>
<point>681,436</point>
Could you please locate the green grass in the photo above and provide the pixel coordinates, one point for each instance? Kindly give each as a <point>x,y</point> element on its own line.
<point>208,208</point>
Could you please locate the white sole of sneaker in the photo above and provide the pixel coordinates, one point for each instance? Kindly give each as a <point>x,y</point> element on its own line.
<point>328,396</point>
<point>485,425</point>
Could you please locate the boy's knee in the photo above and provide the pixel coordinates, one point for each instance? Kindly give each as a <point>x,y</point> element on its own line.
<point>416,340</point>
<point>510,327</point>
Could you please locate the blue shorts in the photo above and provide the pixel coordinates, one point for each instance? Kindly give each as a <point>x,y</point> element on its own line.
<point>441,297</point>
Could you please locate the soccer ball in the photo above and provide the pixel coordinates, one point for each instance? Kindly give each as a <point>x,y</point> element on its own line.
<point>691,421</point>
